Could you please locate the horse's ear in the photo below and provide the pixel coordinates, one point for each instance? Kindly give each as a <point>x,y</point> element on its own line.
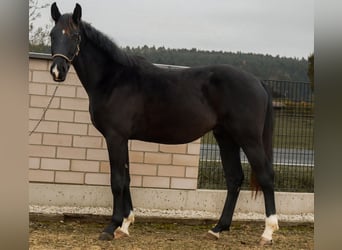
<point>55,14</point>
<point>76,16</point>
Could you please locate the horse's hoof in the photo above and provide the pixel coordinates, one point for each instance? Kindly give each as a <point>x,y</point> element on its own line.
<point>265,242</point>
<point>106,236</point>
<point>119,233</point>
<point>212,235</point>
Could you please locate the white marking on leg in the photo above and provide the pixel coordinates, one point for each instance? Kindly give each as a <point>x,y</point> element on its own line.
<point>55,71</point>
<point>125,223</point>
<point>271,225</point>
<point>216,235</point>
<point>63,31</point>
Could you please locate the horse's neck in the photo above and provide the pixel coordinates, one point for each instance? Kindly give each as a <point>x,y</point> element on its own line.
<point>86,69</point>
<point>90,66</point>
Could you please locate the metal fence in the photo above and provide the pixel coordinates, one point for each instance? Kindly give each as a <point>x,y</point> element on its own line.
<point>292,142</point>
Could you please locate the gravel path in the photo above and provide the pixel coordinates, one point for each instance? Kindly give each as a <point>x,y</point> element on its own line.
<point>157,213</point>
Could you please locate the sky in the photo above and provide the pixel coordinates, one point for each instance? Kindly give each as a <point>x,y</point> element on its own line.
<point>273,27</point>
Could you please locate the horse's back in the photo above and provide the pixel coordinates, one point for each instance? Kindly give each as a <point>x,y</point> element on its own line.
<point>229,88</point>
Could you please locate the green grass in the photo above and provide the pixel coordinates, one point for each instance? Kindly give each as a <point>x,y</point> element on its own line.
<point>287,178</point>
<point>293,131</point>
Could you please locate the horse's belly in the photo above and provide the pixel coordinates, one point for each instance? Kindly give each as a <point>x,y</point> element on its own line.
<point>171,137</point>
<point>177,130</point>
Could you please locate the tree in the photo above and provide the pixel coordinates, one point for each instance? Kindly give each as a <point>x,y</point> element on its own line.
<point>311,68</point>
<point>38,37</point>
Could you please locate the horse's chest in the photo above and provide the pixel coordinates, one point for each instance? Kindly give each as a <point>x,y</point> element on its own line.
<point>109,120</point>
<point>99,117</point>
<point>95,118</point>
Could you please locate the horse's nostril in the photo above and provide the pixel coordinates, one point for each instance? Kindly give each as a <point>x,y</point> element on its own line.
<point>64,68</point>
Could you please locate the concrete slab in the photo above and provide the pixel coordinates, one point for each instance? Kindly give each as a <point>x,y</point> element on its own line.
<point>151,198</point>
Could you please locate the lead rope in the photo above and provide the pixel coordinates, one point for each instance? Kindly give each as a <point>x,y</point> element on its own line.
<point>44,112</point>
<point>54,92</point>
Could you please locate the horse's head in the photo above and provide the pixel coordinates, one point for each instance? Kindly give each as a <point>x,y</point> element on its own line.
<point>65,41</point>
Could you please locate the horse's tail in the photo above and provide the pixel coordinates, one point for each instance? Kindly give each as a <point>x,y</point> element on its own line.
<point>267,136</point>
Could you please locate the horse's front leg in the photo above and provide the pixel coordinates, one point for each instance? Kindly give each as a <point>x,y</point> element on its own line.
<point>118,150</point>
<point>122,231</point>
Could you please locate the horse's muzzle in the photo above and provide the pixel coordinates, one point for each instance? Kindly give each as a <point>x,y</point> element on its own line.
<point>59,70</point>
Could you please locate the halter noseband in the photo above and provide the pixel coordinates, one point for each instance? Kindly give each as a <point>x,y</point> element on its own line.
<point>75,54</point>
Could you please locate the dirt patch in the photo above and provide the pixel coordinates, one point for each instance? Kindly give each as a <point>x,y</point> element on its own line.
<point>83,234</point>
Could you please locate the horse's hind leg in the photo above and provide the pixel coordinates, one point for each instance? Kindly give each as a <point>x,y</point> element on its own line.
<point>230,156</point>
<point>263,171</point>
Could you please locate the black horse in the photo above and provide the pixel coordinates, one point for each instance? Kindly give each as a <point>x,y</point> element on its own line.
<point>130,98</point>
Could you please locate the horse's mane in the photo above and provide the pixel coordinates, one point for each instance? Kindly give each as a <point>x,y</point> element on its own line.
<point>106,44</point>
